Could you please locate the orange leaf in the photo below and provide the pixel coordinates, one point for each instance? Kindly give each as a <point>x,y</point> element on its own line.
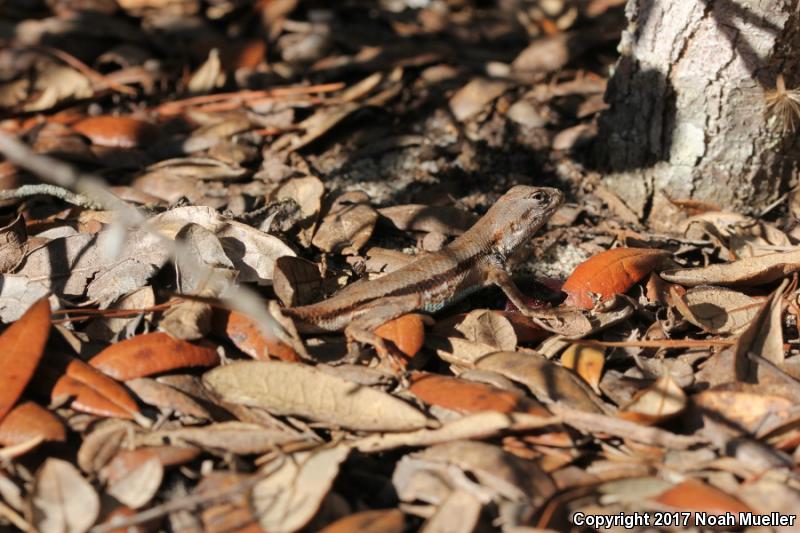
<point>406,332</point>
<point>28,421</point>
<point>149,354</point>
<point>91,391</point>
<point>694,495</point>
<point>21,348</point>
<point>119,132</point>
<point>377,521</point>
<point>246,335</point>
<point>609,273</point>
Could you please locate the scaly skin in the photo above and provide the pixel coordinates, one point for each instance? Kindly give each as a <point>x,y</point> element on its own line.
<point>473,260</point>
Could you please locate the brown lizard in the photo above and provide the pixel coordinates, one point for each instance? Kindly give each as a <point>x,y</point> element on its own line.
<point>474,260</point>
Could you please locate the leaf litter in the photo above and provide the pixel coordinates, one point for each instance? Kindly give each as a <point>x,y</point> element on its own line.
<point>305,149</point>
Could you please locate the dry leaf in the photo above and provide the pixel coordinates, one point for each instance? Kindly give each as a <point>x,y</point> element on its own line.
<point>545,379</point>
<point>587,362</point>
<point>406,332</point>
<point>233,437</point>
<point>694,495</point>
<point>714,309</point>
<point>446,220</point>
<point>347,225</point>
<point>661,401</point>
<point>747,272</point>
<point>117,132</point>
<point>62,501</point>
<point>377,521</point>
<point>490,328</point>
<point>21,348</point>
<point>149,354</point>
<point>250,337</point>
<point>288,499</point>
<point>475,96</point>
<point>299,390</point>
<point>135,483</point>
<point>167,398</point>
<point>29,421</point>
<point>609,273</point>
<point>296,281</point>
<point>12,244</point>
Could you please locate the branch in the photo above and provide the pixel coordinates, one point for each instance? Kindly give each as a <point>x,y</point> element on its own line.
<point>44,189</point>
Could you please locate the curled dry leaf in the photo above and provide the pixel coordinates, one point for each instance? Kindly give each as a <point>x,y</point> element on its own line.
<point>749,407</point>
<point>136,482</point>
<point>233,513</point>
<point>233,437</point>
<point>747,272</point>
<point>715,309</point>
<point>406,332</point>
<point>62,500</point>
<point>117,132</point>
<point>252,252</point>
<point>29,421</point>
<point>254,340</point>
<point>446,220</point>
<point>86,388</point>
<point>167,398</point>
<point>658,402</point>
<point>21,348</point>
<point>348,224</point>
<point>289,497</point>
<point>377,521</point>
<point>609,273</point>
<point>299,390</point>
<point>586,361</point>
<point>149,354</point>
<point>545,379</point>
<point>307,192</point>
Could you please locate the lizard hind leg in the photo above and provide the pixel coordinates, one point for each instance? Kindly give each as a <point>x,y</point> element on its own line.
<point>374,314</point>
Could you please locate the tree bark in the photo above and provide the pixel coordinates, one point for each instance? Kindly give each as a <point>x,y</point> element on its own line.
<point>688,116</point>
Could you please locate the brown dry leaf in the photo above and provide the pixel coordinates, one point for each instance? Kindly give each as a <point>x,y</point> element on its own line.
<point>489,327</point>
<point>747,272</point>
<point>446,220</point>
<point>87,389</point>
<point>252,252</point>
<point>296,281</point>
<point>233,437</point>
<point>117,132</point>
<point>458,513</point>
<point>748,406</point>
<point>545,54</point>
<point>254,340</point>
<point>500,475</point>
<point>56,84</point>
<point>209,76</point>
<point>149,354</point>
<point>547,381</point>
<point>62,500</point>
<point>231,514</point>
<point>461,352</point>
<point>763,337</point>
<point>658,402</point>
<point>377,521</point>
<point>317,125</point>
<point>18,293</point>
<point>134,479</point>
<point>12,244</point>
<point>475,96</point>
<point>609,273</point>
<point>167,398</point>
<point>108,328</point>
<point>187,320</point>
<point>21,348</point>
<point>587,362</point>
<point>715,309</point>
<point>347,225</point>
<point>85,263</point>
<point>299,390</point>
<point>406,332</point>
<point>29,421</point>
<point>694,495</point>
<point>290,496</point>
<point>482,425</point>
<point>575,323</point>
<point>307,192</point>
<point>103,442</point>
<point>742,235</point>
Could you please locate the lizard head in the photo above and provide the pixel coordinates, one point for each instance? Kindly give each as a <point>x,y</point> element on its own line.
<point>519,213</point>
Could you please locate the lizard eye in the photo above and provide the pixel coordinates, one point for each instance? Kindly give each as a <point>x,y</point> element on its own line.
<point>539,197</point>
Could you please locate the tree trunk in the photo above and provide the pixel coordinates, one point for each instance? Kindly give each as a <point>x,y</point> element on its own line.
<point>688,114</point>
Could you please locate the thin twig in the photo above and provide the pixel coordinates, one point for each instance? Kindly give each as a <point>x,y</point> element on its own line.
<point>665,343</point>
<point>45,189</point>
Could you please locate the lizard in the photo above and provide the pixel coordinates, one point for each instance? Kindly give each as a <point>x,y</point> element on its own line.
<point>475,259</point>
